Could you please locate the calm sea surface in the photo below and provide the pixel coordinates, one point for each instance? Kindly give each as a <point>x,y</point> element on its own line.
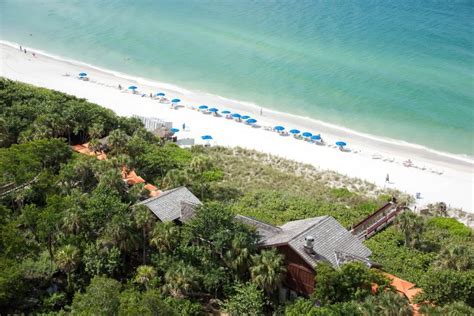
<point>400,69</point>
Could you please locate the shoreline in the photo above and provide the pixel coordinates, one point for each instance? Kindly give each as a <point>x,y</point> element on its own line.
<point>454,185</point>
<point>250,107</point>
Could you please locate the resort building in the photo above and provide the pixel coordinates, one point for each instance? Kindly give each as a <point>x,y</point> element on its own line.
<point>307,242</point>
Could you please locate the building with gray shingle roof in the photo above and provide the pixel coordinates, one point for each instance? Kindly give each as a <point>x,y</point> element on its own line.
<point>306,242</point>
<point>170,205</point>
<point>330,238</point>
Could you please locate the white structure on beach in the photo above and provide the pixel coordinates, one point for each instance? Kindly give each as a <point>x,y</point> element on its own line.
<point>153,123</point>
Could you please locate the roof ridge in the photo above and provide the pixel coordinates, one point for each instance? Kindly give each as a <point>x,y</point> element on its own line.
<point>164,193</point>
<point>263,223</point>
<point>325,217</point>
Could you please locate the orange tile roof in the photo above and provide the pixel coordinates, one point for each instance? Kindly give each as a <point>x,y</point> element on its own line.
<point>130,177</point>
<point>150,187</point>
<point>406,288</point>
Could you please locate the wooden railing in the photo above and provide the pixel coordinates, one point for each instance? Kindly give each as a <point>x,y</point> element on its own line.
<point>376,221</point>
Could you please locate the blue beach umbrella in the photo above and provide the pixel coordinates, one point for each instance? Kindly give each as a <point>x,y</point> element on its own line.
<point>174,130</point>
<point>132,88</point>
<point>160,94</point>
<point>82,74</point>
<point>341,144</point>
<point>245,117</point>
<point>175,100</point>
<point>225,112</point>
<point>307,134</point>
<point>295,131</point>
<point>203,107</point>
<point>316,137</point>
<point>251,121</point>
<point>236,115</point>
<point>213,110</point>
<point>279,128</point>
<point>206,137</point>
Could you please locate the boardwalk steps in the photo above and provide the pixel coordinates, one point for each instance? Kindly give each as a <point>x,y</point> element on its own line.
<point>377,221</point>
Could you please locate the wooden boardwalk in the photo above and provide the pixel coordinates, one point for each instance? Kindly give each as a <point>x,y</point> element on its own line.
<point>377,220</point>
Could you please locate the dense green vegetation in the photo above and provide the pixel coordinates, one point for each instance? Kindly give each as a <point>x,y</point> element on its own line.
<point>72,241</point>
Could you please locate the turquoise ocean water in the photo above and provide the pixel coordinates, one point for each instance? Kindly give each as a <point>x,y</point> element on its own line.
<point>399,69</point>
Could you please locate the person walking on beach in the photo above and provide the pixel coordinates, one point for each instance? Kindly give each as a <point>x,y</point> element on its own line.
<point>21,48</point>
<point>24,50</point>
<point>184,126</point>
<point>151,95</point>
<point>261,111</point>
<point>120,86</point>
<point>387,178</point>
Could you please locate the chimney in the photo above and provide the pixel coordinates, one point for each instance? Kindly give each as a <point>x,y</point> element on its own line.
<point>308,245</point>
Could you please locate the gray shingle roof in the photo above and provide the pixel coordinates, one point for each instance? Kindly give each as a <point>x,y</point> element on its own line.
<point>329,237</point>
<point>266,231</point>
<point>332,242</point>
<point>167,206</point>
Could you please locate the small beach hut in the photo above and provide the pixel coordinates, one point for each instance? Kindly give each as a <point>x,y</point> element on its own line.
<point>203,107</point>
<point>307,134</point>
<point>316,137</point>
<point>245,117</point>
<point>174,130</point>
<point>225,112</point>
<point>82,74</point>
<point>251,121</point>
<point>160,94</point>
<point>133,89</point>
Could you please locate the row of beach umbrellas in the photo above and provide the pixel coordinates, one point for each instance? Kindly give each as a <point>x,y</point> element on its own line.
<point>308,135</point>
<point>246,118</point>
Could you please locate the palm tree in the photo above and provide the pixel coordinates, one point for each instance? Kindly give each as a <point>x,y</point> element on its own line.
<point>96,130</point>
<point>67,258</point>
<point>72,220</point>
<point>144,275</point>
<point>412,226</point>
<point>386,304</point>
<point>175,178</point>
<point>180,280</point>
<point>268,270</point>
<point>457,257</point>
<point>144,221</point>
<point>94,145</point>
<point>120,233</point>
<point>165,236</point>
<point>117,141</point>
<point>197,167</point>
<point>239,254</point>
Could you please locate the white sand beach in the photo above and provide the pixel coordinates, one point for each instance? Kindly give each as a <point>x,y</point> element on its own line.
<point>436,176</point>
